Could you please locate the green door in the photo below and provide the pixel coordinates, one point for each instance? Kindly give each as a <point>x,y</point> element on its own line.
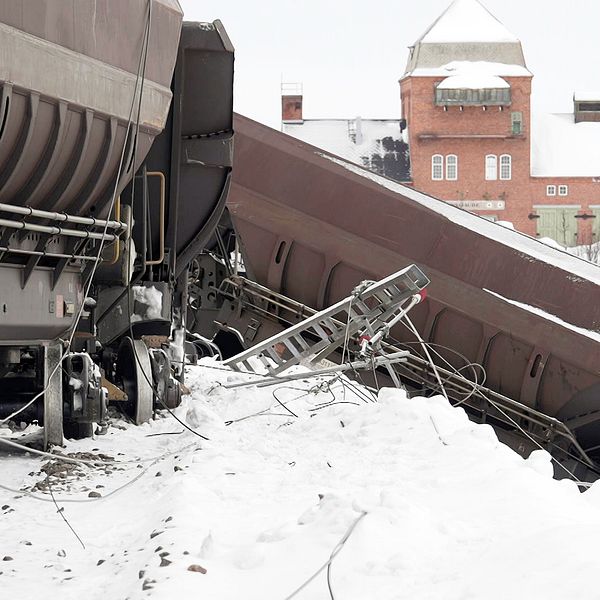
<point>559,224</point>
<point>596,225</point>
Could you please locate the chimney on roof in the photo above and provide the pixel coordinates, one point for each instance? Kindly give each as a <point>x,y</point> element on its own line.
<point>587,106</point>
<point>291,103</point>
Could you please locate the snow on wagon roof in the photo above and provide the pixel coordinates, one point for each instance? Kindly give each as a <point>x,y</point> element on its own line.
<point>467,21</point>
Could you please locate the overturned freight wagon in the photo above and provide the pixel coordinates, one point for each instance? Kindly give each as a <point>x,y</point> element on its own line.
<point>311,226</point>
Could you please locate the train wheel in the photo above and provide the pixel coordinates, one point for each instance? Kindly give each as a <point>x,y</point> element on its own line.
<point>134,372</point>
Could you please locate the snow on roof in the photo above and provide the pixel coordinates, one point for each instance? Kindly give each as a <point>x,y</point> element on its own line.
<point>586,96</point>
<point>480,67</point>
<point>337,135</point>
<point>578,268</point>
<point>472,81</point>
<point>562,148</point>
<point>467,21</point>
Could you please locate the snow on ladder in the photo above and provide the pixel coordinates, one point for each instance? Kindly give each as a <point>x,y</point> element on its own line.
<point>368,311</point>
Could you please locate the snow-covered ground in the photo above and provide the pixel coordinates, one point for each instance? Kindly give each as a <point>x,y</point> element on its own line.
<point>436,506</point>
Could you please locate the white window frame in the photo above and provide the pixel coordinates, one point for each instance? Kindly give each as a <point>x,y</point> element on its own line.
<point>437,162</point>
<point>505,167</point>
<point>550,190</point>
<point>491,167</point>
<point>563,190</point>
<point>451,163</point>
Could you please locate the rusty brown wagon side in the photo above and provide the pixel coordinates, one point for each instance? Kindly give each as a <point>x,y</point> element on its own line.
<point>312,226</point>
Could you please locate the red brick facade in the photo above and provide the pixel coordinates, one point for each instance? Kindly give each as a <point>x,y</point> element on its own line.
<point>473,132</point>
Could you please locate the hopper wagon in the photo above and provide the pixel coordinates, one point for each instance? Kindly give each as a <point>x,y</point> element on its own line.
<point>115,127</point>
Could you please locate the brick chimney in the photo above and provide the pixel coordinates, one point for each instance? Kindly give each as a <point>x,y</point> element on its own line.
<point>291,103</point>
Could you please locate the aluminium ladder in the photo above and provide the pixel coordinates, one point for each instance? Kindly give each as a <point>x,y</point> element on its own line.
<point>366,312</point>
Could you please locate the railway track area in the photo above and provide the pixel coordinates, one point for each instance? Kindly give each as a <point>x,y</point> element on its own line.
<point>418,500</point>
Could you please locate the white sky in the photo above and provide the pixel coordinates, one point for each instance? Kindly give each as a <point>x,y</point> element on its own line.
<point>349,54</point>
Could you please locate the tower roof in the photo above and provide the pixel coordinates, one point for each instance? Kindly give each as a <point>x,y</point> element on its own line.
<point>466,21</point>
<point>465,31</point>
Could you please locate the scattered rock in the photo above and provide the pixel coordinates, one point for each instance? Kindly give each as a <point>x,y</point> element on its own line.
<point>61,553</point>
<point>185,552</point>
<point>147,585</point>
<point>5,506</point>
<point>93,494</point>
<point>141,574</point>
<point>158,474</point>
<point>164,562</point>
<point>154,534</point>
<point>26,543</point>
<point>8,558</point>
<point>177,468</point>
<point>197,569</point>
<point>101,561</point>
<point>168,519</point>
<point>158,549</point>
<point>163,554</point>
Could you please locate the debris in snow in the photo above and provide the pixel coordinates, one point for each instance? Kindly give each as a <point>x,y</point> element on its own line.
<point>442,520</point>
<point>197,569</point>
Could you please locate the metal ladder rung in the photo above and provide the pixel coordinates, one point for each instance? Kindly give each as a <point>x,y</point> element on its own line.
<point>301,342</point>
<point>332,326</point>
<point>320,331</point>
<point>273,354</point>
<point>293,349</point>
<point>359,304</point>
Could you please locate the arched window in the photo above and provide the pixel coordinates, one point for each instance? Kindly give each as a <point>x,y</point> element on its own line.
<point>505,167</point>
<point>437,167</point>
<point>491,167</point>
<point>452,167</point>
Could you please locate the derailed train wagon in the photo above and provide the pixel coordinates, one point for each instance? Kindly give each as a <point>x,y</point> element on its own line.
<point>311,226</point>
<point>99,173</point>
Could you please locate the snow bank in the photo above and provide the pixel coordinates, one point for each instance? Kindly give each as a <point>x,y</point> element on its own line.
<point>450,512</point>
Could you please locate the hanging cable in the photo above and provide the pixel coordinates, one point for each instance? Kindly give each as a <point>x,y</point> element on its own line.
<point>333,554</point>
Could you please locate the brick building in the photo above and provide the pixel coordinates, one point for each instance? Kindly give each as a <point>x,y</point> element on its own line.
<point>473,142</point>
